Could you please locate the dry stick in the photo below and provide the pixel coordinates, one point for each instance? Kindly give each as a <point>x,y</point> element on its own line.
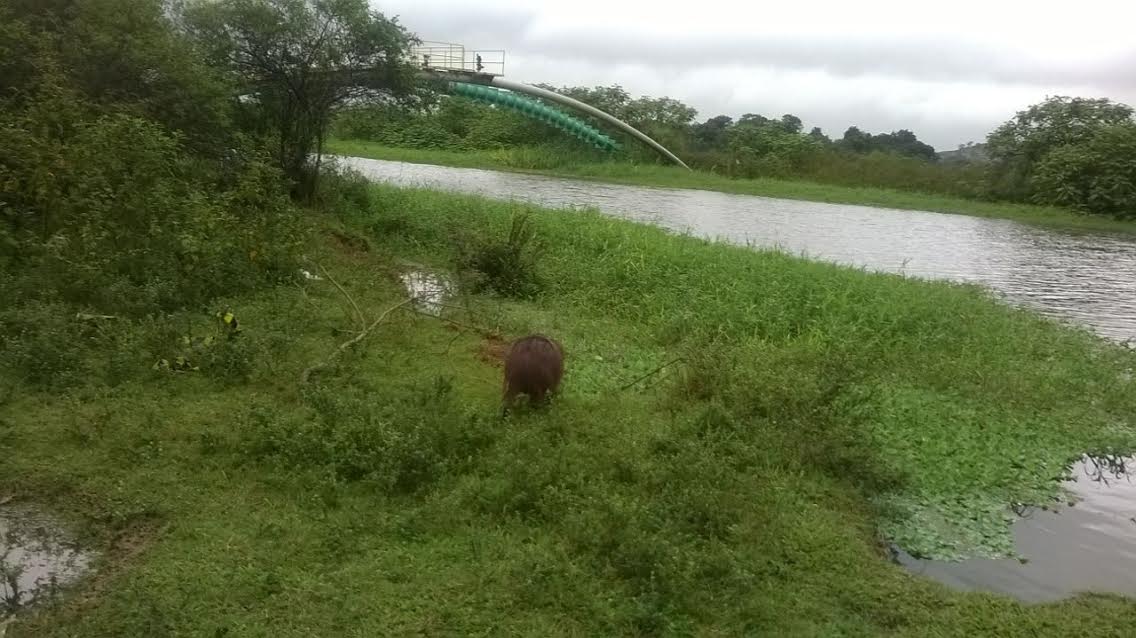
<point>653,372</point>
<point>358,313</point>
<point>482,331</point>
<point>350,342</point>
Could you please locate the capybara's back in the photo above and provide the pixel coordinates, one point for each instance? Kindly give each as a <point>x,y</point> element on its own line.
<point>533,367</point>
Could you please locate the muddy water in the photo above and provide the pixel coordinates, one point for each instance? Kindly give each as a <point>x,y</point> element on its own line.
<point>1083,278</point>
<point>37,557</point>
<point>1090,546</point>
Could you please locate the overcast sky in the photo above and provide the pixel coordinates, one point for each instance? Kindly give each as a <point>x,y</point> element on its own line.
<point>950,72</point>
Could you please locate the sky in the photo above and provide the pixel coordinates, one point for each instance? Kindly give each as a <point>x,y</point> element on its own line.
<point>950,71</point>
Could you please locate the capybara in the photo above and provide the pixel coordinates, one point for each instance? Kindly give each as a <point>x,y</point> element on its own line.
<point>533,367</point>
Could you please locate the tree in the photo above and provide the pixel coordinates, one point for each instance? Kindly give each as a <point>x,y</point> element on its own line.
<point>904,142</point>
<point>118,54</point>
<point>1019,145</point>
<point>711,134</point>
<point>856,140</point>
<point>1095,175</point>
<point>791,123</point>
<point>301,60</point>
<point>819,136</point>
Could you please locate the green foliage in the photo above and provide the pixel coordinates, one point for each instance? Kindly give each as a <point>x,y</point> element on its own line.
<point>741,490</point>
<point>79,44</point>
<point>301,59</point>
<point>1018,146</point>
<point>1096,174</point>
<point>506,265</point>
<point>756,146</point>
<point>126,196</point>
<point>124,224</point>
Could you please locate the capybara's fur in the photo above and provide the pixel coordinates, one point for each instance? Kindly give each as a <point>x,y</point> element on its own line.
<point>533,367</point>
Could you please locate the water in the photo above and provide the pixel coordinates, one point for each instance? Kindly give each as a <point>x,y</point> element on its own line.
<point>1077,277</point>
<point>1090,546</point>
<point>428,289</point>
<point>37,557</point>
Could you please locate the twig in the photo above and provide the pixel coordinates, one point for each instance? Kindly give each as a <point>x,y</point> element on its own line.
<point>477,329</point>
<point>350,299</point>
<point>350,342</point>
<point>653,372</point>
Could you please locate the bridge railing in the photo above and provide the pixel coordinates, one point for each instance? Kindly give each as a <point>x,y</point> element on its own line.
<point>444,56</point>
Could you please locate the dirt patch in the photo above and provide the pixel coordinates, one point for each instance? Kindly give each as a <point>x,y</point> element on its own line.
<point>352,245</point>
<point>492,350</point>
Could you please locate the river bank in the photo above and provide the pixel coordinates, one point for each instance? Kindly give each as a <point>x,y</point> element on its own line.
<point>524,161</point>
<point>738,433</point>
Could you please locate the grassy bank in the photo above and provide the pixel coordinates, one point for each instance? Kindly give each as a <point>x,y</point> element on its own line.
<point>537,162</point>
<point>738,491</point>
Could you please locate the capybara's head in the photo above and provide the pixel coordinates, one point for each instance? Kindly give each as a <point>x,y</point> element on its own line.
<point>533,367</point>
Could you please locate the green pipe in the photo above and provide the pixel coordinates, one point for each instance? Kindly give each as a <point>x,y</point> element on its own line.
<point>536,110</point>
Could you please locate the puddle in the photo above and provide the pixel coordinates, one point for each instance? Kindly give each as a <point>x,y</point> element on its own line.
<point>428,289</point>
<point>1087,547</point>
<point>37,557</point>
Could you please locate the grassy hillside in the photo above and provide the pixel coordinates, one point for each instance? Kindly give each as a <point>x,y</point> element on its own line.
<point>736,429</point>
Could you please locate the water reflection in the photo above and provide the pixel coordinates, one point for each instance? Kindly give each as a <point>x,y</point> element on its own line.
<point>428,289</point>
<point>1085,278</point>
<point>37,557</point>
<point>1090,546</point>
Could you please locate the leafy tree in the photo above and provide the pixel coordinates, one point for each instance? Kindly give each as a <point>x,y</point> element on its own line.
<point>791,123</point>
<point>1019,145</point>
<point>1096,174</point>
<point>856,140</point>
<point>663,111</point>
<point>712,132</point>
<point>120,55</point>
<point>819,136</point>
<point>302,59</point>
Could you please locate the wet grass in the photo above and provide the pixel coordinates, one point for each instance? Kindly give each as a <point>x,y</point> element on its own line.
<point>543,163</point>
<point>739,491</point>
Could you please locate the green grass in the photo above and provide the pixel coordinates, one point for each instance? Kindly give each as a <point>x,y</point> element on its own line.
<point>741,491</point>
<point>536,161</point>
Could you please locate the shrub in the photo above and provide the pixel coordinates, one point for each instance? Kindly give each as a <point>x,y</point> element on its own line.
<point>507,266</point>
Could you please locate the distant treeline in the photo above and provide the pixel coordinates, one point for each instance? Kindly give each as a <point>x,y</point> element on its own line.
<point>1073,152</point>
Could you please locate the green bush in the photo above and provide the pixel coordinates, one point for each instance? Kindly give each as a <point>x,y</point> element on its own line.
<point>116,218</point>
<point>1096,175</point>
<point>400,446</point>
<point>507,266</point>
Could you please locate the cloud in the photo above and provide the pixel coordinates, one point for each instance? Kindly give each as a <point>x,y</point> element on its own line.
<point>951,73</point>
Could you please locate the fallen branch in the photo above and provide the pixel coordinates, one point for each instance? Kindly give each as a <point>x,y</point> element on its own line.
<point>651,373</point>
<point>485,332</point>
<point>350,342</point>
<point>350,299</point>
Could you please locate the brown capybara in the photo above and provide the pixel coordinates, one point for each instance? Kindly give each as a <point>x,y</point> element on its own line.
<point>533,367</point>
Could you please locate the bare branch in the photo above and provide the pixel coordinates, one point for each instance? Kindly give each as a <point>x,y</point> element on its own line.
<point>306,375</point>
<point>350,299</point>
<point>651,373</point>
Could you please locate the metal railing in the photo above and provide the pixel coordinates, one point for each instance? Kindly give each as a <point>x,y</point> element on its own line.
<point>444,56</point>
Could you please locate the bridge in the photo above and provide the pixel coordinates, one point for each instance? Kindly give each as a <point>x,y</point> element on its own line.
<point>479,73</point>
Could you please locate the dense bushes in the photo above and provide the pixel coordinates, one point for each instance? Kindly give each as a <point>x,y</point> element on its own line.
<point>125,195</point>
